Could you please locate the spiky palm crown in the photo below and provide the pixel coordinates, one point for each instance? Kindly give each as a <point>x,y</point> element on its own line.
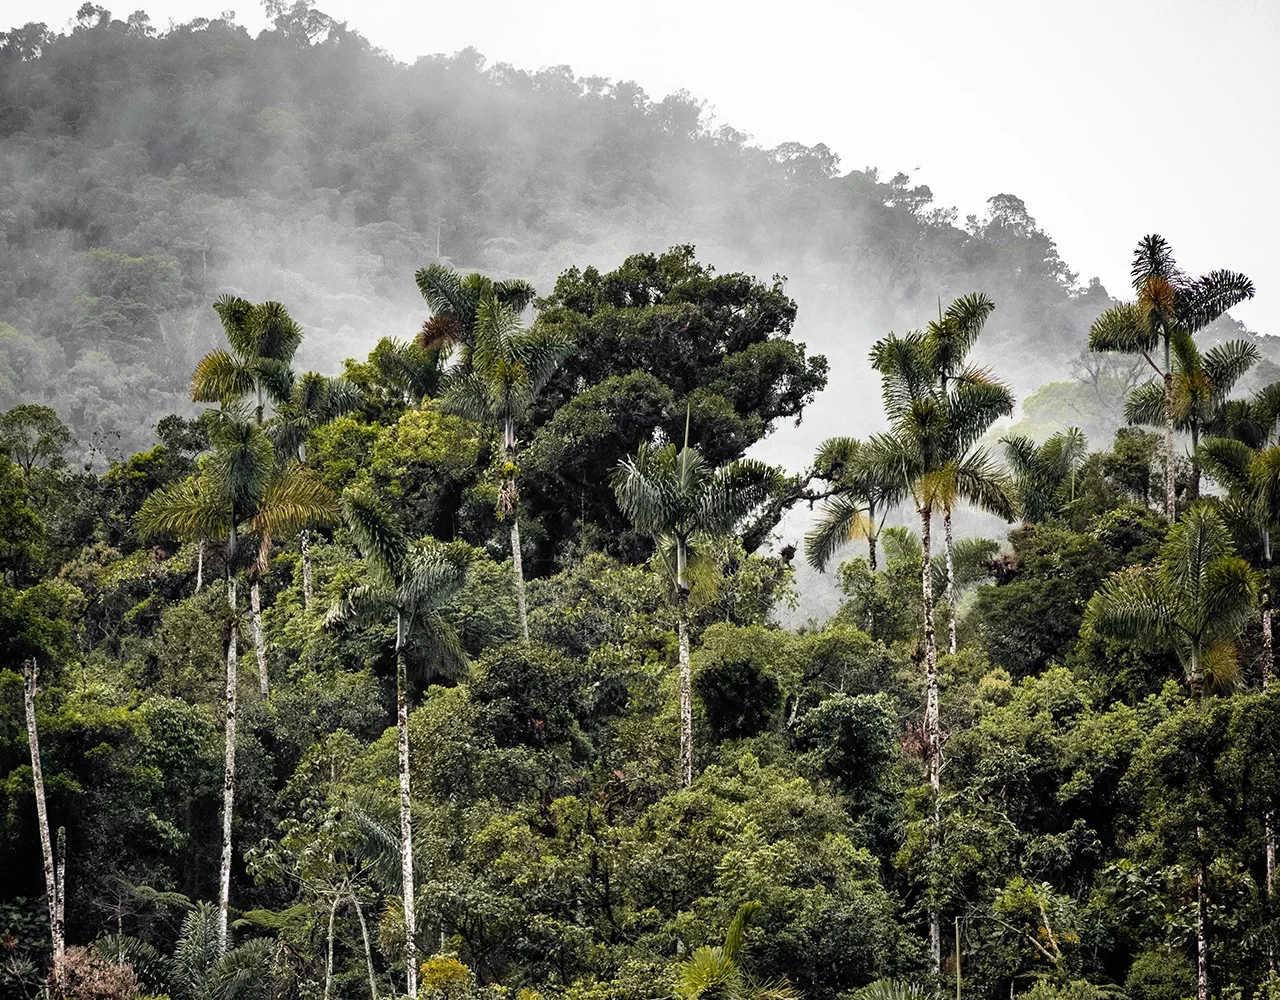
<point>313,400</point>
<point>863,488</point>
<point>240,487</point>
<point>1195,601</point>
<point>1042,473</point>
<point>934,430</point>
<point>1166,301</point>
<point>716,971</point>
<point>1201,383</point>
<point>455,304</point>
<point>509,366</point>
<point>414,579</point>
<point>263,338</point>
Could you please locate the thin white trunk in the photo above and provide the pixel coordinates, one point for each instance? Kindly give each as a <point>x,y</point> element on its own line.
<point>60,882</point>
<point>686,696</point>
<point>368,951</point>
<point>259,643</point>
<point>306,569</point>
<point>1202,944</point>
<point>1268,818</point>
<point>228,774</point>
<point>932,731</point>
<point>30,672</point>
<point>200,566</point>
<point>518,563</point>
<point>951,583</point>
<point>328,956</point>
<point>1170,499</point>
<point>406,822</point>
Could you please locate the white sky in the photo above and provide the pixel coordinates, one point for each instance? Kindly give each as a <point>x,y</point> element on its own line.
<point>1110,118</point>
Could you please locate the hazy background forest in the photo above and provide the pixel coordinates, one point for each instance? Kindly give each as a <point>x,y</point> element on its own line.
<point>143,174</point>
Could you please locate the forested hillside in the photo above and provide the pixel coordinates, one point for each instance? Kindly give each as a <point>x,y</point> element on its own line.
<point>142,176</point>
<point>381,622</point>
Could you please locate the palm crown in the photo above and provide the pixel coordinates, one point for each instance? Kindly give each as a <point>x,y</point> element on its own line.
<point>455,303</point>
<point>263,339</point>
<point>1195,602</point>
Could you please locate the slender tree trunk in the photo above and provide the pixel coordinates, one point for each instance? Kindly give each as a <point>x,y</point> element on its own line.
<point>368,951</point>
<point>328,956</point>
<point>1268,818</point>
<point>1193,493</point>
<point>60,882</point>
<point>30,672</point>
<point>259,644</point>
<point>951,584</point>
<point>1202,944</point>
<point>228,773</point>
<point>200,566</point>
<point>406,821</point>
<point>1170,499</point>
<point>932,730</point>
<point>517,563</point>
<point>306,569</point>
<point>686,676</point>
<point>871,550</point>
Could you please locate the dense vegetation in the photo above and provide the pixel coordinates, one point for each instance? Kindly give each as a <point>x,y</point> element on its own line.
<point>457,671</point>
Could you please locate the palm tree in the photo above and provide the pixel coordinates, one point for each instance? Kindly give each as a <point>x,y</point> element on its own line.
<point>1201,383</point>
<point>455,304</point>
<point>1194,602</point>
<point>263,338</point>
<point>509,366</point>
<point>931,449</point>
<point>1168,304</point>
<point>410,581</point>
<point>1045,475</point>
<point>861,496</point>
<point>313,401</point>
<point>716,971</point>
<point>203,969</point>
<point>681,499</point>
<point>241,489</point>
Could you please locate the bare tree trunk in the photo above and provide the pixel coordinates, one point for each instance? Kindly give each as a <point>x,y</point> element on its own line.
<point>686,693</point>
<point>1202,944</point>
<point>328,956</point>
<point>368,951</point>
<point>60,881</point>
<point>517,562</point>
<point>932,731</point>
<point>1193,492</point>
<point>30,672</point>
<point>306,569</point>
<point>259,644</point>
<point>1268,818</point>
<point>1170,499</point>
<point>406,821</point>
<point>871,550</point>
<point>951,583</point>
<point>200,566</point>
<point>228,773</point>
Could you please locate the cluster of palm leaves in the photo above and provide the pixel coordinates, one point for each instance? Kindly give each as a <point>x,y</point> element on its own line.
<point>1167,310</point>
<point>714,972</point>
<point>1044,476</point>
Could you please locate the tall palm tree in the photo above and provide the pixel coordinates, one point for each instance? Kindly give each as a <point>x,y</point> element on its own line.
<point>240,490</point>
<point>931,447</point>
<point>1195,602</point>
<point>313,401</point>
<point>716,971</point>
<point>1201,383</point>
<point>861,495</point>
<point>455,303</point>
<point>263,339</point>
<point>1045,475</point>
<point>681,499</point>
<point>509,366</point>
<point>410,582</point>
<point>1168,304</point>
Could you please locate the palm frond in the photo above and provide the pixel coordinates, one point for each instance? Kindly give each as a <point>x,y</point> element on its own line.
<point>841,521</point>
<point>220,376</point>
<point>1145,404</point>
<point>1122,329</point>
<point>1208,297</point>
<point>379,538</point>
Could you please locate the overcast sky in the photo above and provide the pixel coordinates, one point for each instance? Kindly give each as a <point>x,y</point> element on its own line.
<point>1110,118</point>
